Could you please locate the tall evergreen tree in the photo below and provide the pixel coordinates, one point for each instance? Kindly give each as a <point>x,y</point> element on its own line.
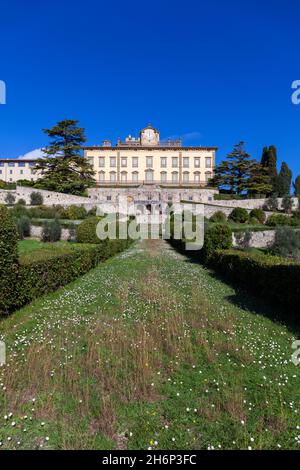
<point>296,186</point>
<point>259,182</point>
<point>284,180</point>
<point>269,161</point>
<point>234,172</point>
<point>64,169</point>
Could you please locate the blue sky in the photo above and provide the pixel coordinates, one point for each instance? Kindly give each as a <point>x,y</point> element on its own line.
<point>215,72</point>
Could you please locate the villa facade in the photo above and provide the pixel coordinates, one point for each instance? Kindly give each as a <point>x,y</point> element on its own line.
<point>13,170</point>
<point>147,160</point>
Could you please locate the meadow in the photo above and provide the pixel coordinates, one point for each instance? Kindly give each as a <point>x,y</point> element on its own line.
<point>148,351</point>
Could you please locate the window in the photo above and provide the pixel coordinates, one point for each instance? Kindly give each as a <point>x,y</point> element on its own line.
<point>108,198</point>
<point>149,176</point>
<point>197,177</point>
<point>101,162</point>
<point>207,176</point>
<point>175,162</point>
<point>163,162</point>
<point>208,162</point>
<point>186,162</point>
<point>113,162</point>
<point>186,177</point>
<point>33,163</point>
<point>135,176</point>
<point>21,172</point>
<point>91,161</point>
<point>0,172</point>
<point>113,176</point>
<point>11,164</point>
<point>149,162</point>
<point>124,162</point>
<point>163,177</point>
<point>190,198</point>
<point>174,177</point>
<point>124,176</point>
<point>1,163</point>
<point>21,164</point>
<point>10,172</point>
<point>135,162</point>
<point>101,176</point>
<point>197,162</point>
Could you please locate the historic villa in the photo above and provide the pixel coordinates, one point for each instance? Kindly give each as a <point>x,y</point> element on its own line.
<point>148,160</point>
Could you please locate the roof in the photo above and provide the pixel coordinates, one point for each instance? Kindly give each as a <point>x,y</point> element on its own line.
<point>18,160</point>
<point>147,147</point>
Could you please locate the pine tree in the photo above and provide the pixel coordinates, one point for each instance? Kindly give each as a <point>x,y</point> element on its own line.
<point>269,161</point>
<point>234,172</point>
<point>296,186</point>
<point>64,169</point>
<point>284,180</point>
<point>259,182</point>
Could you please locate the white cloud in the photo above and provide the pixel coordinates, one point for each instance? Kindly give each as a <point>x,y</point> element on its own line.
<point>189,136</point>
<point>37,153</point>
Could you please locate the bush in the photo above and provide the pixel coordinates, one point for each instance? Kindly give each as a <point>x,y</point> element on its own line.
<point>217,237</point>
<point>271,204</point>
<point>278,219</point>
<point>218,217</point>
<point>10,199</point>
<point>287,204</point>
<point>23,226</point>
<point>86,231</point>
<point>51,231</point>
<point>239,215</point>
<point>268,276</point>
<point>287,242</point>
<point>8,260</point>
<point>259,215</point>
<point>21,202</point>
<point>76,212</point>
<point>36,198</point>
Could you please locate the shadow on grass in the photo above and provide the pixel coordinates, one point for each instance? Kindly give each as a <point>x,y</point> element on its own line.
<point>247,299</point>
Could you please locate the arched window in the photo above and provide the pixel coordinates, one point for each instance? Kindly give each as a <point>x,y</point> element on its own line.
<point>174,177</point>
<point>149,176</point>
<point>208,176</point>
<point>163,177</point>
<point>124,176</point>
<point>101,176</point>
<point>186,176</point>
<point>113,176</point>
<point>135,176</point>
<point>197,177</point>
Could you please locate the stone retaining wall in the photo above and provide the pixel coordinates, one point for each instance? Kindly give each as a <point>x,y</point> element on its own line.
<point>263,239</point>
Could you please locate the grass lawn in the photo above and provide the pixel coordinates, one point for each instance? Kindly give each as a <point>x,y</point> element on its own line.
<point>34,249</point>
<point>148,350</point>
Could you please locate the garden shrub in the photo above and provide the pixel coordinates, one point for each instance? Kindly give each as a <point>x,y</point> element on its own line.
<point>259,215</point>
<point>218,217</point>
<point>8,260</point>
<point>217,237</point>
<point>21,202</point>
<point>51,231</point>
<point>76,212</point>
<point>287,242</point>
<point>278,219</point>
<point>239,215</point>
<point>36,198</point>
<point>271,204</point>
<point>86,231</point>
<point>23,226</point>
<point>10,199</point>
<point>268,276</point>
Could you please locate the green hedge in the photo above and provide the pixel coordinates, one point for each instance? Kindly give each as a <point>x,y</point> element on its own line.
<point>270,277</point>
<point>37,278</point>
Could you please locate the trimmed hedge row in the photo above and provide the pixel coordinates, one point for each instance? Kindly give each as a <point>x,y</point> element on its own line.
<point>41,277</point>
<point>270,277</point>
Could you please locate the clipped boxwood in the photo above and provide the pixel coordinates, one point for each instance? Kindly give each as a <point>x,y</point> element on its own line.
<point>278,219</point>
<point>218,237</point>
<point>239,215</point>
<point>86,231</point>
<point>218,217</point>
<point>8,260</point>
<point>259,215</point>
<point>268,276</point>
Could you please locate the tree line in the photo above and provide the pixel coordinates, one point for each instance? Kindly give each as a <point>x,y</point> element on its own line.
<point>242,175</point>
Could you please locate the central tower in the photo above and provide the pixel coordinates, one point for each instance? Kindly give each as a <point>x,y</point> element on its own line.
<point>149,136</point>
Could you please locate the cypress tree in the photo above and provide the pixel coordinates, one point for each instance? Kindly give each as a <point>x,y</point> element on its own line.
<point>269,162</point>
<point>296,186</point>
<point>284,180</point>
